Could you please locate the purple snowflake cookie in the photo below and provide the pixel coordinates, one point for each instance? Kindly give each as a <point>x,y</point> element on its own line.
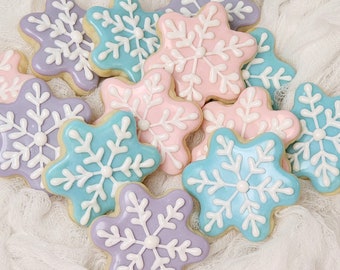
<point>150,233</point>
<point>29,128</point>
<point>240,13</point>
<point>64,47</point>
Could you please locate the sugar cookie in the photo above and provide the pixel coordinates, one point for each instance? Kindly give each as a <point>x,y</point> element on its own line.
<point>62,46</point>
<point>148,232</point>
<point>163,120</point>
<point>124,37</point>
<point>240,184</point>
<point>29,128</point>
<point>266,70</point>
<point>95,161</point>
<point>12,66</point>
<point>315,154</point>
<point>203,54</point>
<point>240,13</point>
<point>250,116</point>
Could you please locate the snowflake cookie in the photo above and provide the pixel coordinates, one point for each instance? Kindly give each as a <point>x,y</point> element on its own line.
<point>162,119</point>
<point>11,78</point>
<point>95,161</point>
<point>64,47</point>
<point>149,233</point>
<point>240,184</point>
<point>124,35</point>
<point>240,13</point>
<point>266,70</point>
<point>203,54</point>
<point>250,116</point>
<point>316,153</point>
<point>29,128</point>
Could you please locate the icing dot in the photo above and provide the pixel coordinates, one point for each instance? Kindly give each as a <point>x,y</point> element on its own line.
<point>319,134</point>
<point>106,171</point>
<point>242,186</point>
<point>77,37</point>
<point>40,139</point>
<point>200,52</point>
<point>151,242</point>
<point>139,33</point>
<point>143,125</point>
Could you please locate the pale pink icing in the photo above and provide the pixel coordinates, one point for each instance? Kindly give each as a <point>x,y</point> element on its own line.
<point>249,116</point>
<point>162,119</point>
<point>11,79</point>
<point>203,54</point>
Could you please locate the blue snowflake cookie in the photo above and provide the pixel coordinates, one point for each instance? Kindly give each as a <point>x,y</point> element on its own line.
<point>240,184</point>
<point>316,153</point>
<point>95,161</point>
<point>266,70</point>
<point>124,37</point>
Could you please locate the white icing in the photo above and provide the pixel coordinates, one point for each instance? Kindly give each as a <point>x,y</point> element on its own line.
<point>318,155</point>
<point>18,128</point>
<point>104,167</point>
<point>189,48</point>
<point>270,187</point>
<point>66,20</point>
<point>150,240</point>
<point>168,123</point>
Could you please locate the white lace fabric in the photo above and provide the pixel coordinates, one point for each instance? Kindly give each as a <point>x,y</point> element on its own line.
<point>36,231</point>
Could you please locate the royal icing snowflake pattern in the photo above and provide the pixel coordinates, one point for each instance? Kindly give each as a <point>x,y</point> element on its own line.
<point>149,233</point>
<point>266,70</point>
<point>162,120</point>
<point>11,79</point>
<point>250,116</point>
<point>203,54</point>
<point>240,184</point>
<point>96,162</point>
<point>29,128</point>
<point>126,36</point>
<point>315,154</point>
<point>64,47</point>
<point>240,13</point>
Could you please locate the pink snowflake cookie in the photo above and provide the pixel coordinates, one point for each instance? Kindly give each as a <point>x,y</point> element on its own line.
<point>149,233</point>
<point>250,116</point>
<point>63,46</point>
<point>163,120</point>
<point>203,54</point>
<point>11,78</point>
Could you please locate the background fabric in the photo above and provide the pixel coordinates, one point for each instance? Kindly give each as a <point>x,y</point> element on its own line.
<point>37,233</point>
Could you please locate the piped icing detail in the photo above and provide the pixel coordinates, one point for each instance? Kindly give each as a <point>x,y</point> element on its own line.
<point>64,47</point>
<point>266,69</point>
<point>240,13</point>
<point>250,116</point>
<point>149,233</point>
<point>240,184</point>
<point>315,154</point>
<point>203,54</point>
<point>97,160</point>
<point>29,128</point>
<point>11,79</point>
<point>162,119</point>
<point>126,36</point>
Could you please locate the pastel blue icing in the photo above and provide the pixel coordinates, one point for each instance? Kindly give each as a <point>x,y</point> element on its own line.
<point>72,160</point>
<point>257,71</point>
<point>227,183</point>
<point>130,60</point>
<point>315,154</point>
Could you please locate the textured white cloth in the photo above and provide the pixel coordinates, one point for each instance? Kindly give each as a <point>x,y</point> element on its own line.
<point>37,233</point>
